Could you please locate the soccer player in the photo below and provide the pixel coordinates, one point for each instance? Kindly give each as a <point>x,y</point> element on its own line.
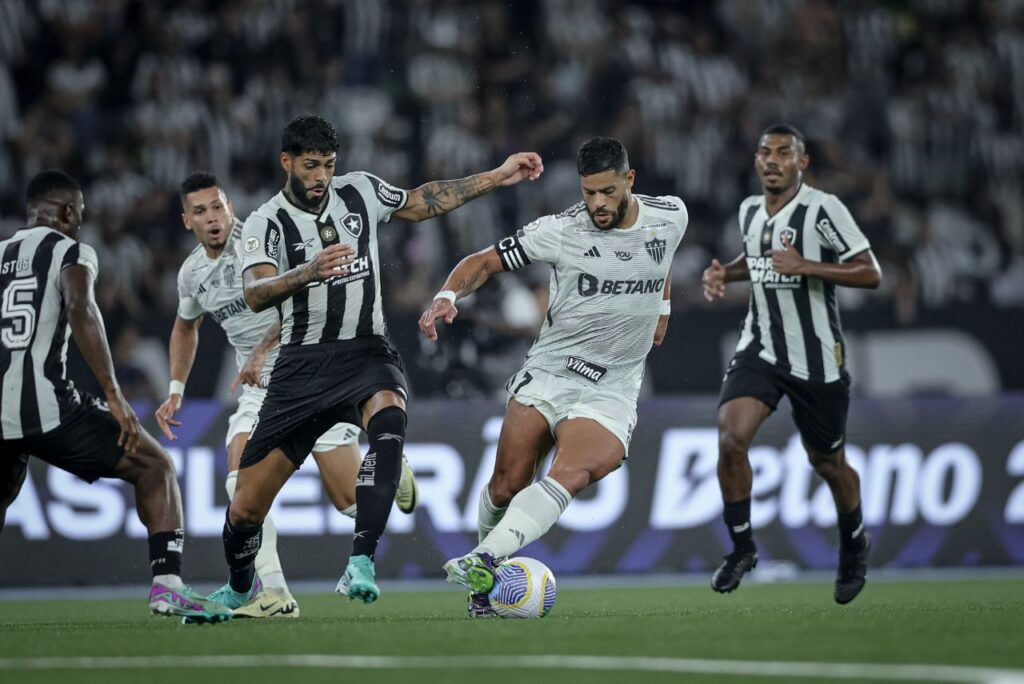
<point>610,283</point>
<point>312,252</point>
<point>46,290</point>
<point>799,244</point>
<point>209,283</point>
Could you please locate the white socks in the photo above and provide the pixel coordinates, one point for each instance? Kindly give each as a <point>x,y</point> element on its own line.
<point>531,513</point>
<point>350,512</point>
<point>487,515</point>
<point>268,565</point>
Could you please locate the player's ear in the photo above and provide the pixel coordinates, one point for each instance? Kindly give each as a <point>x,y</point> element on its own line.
<point>630,177</point>
<point>805,160</point>
<point>286,162</point>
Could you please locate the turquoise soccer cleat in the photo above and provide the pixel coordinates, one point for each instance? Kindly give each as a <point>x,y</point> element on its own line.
<point>358,580</point>
<point>226,596</point>
<point>186,603</point>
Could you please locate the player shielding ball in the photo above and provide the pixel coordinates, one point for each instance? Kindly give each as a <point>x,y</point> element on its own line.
<point>46,290</point>
<point>312,251</point>
<point>210,284</point>
<point>610,257</point>
<point>799,244</point>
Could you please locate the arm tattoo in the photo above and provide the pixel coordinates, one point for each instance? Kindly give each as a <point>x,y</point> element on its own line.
<point>440,197</point>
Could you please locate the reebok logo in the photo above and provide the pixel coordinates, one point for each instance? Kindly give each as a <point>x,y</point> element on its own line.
<point>590,371</point>
<point>385,436</point>
<point>741,528</point>
<point>592,252</point>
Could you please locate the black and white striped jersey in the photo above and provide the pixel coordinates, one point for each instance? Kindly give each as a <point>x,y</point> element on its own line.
<point>34,330</point>
<point>793,321</point>
<point>285,236</point>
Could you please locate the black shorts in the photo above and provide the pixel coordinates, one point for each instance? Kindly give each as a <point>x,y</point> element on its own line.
<point>85,444</point>
<point>819,408</point>
<point>315,386</point>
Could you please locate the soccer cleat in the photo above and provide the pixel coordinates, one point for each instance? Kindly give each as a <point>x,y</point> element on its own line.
<point>473,571</point>
<point>408,493</point>
<point>728,575</point>
<point>187,603</point>
<point>358,580</point>
<point>853,572</point>
<point>479,606</point>
<point>226,596</point>
<point>272,602</point>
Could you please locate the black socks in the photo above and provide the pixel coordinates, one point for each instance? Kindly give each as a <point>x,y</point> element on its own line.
<point>378,476</point>
<point>737,520</point>
<point>165,552</point>
<point>851,530</point>
<point>241,544</point>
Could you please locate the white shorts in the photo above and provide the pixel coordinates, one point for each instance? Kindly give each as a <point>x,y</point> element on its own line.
<point>559,399</point>
<point>249,403</point>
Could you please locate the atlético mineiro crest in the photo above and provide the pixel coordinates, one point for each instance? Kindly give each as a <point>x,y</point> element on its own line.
<point>656,249</point>
<point>353,224</point>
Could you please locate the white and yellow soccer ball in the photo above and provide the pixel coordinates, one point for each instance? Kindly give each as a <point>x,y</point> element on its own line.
<point>523,588</point>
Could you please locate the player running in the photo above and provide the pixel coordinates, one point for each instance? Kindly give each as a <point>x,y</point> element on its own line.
<point>799,243</point>
<point>611,257</point>
<point>46,290</point>
<point>312,251</point>
<point>209,283</point>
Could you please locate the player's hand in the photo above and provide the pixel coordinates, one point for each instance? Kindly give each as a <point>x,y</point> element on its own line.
<point>661,330</point>
<point>331,262</point>
<point>519,167</point>
<point>165,415</point>
<point>786,261</point>
<point>251,372</point>
<point>439,308</point>
<point>122,412</point>
<point>714,281</point>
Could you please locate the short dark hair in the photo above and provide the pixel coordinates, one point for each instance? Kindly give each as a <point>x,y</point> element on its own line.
<point>309,133</point>
<point>197,180</point>
<point>47,184</point>
<point>785,129</point>
<point>601,154</point>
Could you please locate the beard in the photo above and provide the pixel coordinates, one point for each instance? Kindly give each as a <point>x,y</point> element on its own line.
<point>301,193</point>
<point>620,213</point>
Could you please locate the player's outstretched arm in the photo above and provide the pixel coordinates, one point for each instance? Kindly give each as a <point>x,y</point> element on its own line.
<point>90,335</point>
<point>861,270</point>
<point>252,370</point>
<point>264,287</point>
<point>717,275</point>
<point>182,354</point>
<point>439,197</point>
<point>467,276</point>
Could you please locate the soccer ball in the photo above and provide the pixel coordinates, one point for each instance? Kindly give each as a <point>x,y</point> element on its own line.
<point>523,588</point>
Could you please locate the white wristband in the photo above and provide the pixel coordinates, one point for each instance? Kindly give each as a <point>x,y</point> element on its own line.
<point>446,294</point>
<point>666,307</point>
<point>177,387</point>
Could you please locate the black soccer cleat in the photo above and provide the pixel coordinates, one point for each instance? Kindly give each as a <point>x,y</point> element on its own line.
<point>852,573</point>
<point>728,575</point>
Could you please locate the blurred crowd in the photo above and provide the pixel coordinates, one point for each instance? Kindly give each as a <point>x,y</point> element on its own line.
<point>913,111</point>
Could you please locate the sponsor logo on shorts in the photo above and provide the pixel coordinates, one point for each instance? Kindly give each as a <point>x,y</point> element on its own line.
<point>586,369</point>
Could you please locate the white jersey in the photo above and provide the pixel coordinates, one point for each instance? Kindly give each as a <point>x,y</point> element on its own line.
<point>213,287</point>
<point>36,394</point>
<point>606,289</point>
<point>285,236</point>
<point>793,321</point>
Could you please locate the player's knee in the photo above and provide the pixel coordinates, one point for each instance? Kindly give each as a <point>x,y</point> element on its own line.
<point>732,447</point>
<point>826,466</point>
<point>246,512</point>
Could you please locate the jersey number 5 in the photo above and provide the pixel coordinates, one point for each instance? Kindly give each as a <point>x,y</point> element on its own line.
<point>17,315</point>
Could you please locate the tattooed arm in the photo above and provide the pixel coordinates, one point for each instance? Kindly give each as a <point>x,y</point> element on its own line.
<point>439,197</point>
<point>265,288</point>
<point>467,277</point>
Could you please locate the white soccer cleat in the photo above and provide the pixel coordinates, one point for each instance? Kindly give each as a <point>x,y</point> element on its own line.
<point>408,493</point>
<point>272,602</point>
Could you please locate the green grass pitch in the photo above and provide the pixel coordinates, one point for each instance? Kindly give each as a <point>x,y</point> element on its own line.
<point>627,634</point>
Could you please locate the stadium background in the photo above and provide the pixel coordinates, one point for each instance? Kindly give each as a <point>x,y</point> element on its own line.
<point>913,112</point>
